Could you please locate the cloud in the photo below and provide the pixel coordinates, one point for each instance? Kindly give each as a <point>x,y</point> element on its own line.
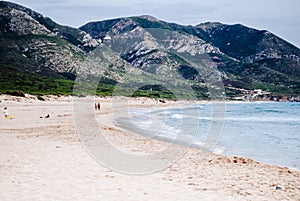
<point>79,15</point>
<point>76,15</point>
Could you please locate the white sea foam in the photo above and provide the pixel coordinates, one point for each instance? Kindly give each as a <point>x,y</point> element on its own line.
<point>219,150</point>
<point>176,116</point>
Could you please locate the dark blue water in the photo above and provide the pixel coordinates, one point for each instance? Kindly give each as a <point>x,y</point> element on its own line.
<point>266,132</point>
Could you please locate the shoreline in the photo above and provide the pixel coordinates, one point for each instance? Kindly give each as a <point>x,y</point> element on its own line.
<point>136,103</point>
<point>49,150</point>
<point>59,98</point>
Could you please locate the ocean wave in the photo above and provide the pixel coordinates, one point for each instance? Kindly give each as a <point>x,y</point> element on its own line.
<point>176,116</point>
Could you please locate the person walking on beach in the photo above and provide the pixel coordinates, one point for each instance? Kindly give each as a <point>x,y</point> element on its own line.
<point>5,112</point>
<point>99,106</point>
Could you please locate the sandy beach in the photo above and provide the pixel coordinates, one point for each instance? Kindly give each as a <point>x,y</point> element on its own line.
<point>44,159</point>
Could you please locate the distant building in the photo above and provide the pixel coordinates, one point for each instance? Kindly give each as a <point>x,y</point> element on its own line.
<point>106,38</point>
<point>258,91</point>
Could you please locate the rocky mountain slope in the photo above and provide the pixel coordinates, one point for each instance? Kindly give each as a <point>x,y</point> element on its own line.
<point>247,58</point>
<point>167,55</point>
<point>36,44</point>
<point>36,52</point>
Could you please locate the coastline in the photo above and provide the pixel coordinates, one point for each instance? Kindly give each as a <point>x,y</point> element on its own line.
<point>44,157</point>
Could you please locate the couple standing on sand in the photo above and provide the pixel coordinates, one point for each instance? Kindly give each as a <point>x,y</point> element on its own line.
<point>97,106</point>
<point>6,112</point>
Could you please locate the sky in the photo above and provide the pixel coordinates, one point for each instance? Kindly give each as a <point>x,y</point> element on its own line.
<point>281,17</point>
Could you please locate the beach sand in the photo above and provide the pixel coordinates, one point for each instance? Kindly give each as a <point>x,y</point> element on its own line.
<point>44,159</point>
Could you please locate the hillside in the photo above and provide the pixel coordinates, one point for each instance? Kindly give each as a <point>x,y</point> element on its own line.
<point>158,58</point>
<point>247,58</point>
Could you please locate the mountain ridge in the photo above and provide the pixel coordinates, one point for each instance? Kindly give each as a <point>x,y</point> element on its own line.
<point>245,57</point>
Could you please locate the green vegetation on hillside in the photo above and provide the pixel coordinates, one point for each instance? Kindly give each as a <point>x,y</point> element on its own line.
<point>13,80</point>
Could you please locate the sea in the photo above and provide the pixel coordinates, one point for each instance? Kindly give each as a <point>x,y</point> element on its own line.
<point>267,132</point>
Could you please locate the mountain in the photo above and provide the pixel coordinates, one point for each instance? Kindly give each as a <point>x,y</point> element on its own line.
<point>251,46</point>
<point>165,56</point>
<point>41,56</point>
<point>36,44</point>
<point>246,57</point>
